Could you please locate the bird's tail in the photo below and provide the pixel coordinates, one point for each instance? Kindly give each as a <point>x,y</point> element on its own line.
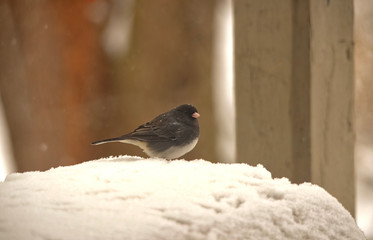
<point>116,139</point>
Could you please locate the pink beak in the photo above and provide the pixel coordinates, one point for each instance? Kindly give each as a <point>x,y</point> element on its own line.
<point>195,115</point>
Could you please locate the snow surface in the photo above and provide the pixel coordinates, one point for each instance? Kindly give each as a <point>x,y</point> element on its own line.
<point>133,198</point>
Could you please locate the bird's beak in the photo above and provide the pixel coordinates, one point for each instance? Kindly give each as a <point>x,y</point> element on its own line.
<point>195,115</point>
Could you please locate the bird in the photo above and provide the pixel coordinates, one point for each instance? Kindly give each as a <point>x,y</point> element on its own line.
<point>170,135</point>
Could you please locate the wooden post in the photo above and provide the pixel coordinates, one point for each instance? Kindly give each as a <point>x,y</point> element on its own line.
<point>272,95</point>
<point>294,91</point>
<point>332,96</point>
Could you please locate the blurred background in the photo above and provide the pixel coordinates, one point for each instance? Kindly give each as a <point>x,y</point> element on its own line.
<point>363,30</point>
<point>72,72</point>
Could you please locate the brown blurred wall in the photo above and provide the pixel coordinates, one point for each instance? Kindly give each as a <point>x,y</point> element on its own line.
<point>60,90</point>
<point>52,68</point>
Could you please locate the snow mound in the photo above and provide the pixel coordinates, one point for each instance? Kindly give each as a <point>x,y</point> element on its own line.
<point>134,198</point>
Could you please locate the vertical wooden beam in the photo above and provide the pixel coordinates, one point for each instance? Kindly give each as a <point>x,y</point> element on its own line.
<point>300,102</point>
<point>294,91</point>
<point>332,94</point>
<point>272,86</point>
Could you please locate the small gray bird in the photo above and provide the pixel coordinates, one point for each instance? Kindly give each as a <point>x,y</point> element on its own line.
<point>170,135</point>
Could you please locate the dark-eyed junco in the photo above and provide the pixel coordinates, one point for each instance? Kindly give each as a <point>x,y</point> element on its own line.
<point>169,135</point>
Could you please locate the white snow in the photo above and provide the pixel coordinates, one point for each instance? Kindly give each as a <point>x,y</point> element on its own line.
<point>133,198</point>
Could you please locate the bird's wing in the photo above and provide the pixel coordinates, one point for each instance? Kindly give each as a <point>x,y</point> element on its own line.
<point>155,130</point>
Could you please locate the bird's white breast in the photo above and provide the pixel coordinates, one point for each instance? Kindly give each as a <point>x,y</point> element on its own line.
<point>177,151</point>
<point>171,153</point>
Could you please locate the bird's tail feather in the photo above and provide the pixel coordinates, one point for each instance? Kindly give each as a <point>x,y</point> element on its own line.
<point>116,139</point>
